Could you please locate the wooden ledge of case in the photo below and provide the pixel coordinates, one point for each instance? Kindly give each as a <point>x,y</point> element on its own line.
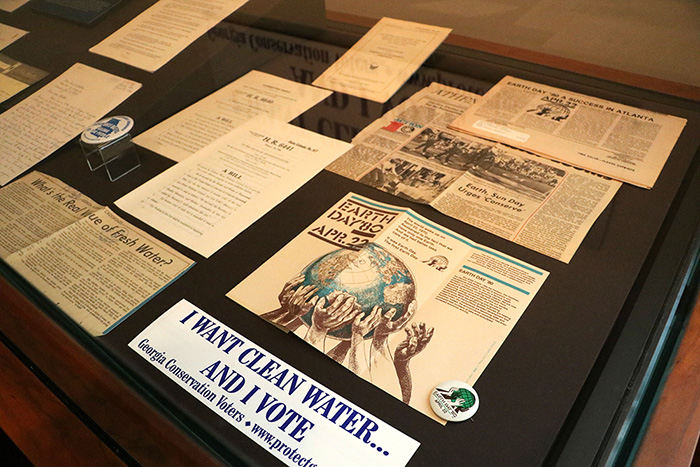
<point>673,432</point>
<point>138,428</point>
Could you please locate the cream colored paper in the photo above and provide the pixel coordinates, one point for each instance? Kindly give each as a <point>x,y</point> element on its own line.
<point>11,5</point>
<point>8,34</point>
<point>161,32</point>
<point>56,113</point>
<point>16,76</point>
<point>383,59</point>
<point>206,200</point>
<point>611,139</point>
<point>99,269</point>
<point>319,426</point>
<point>538,203</point>
<point>253,94</point>
<point>448,303</point>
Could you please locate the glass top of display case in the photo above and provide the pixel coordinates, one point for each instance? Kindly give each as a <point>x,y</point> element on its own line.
<point>574,379</point>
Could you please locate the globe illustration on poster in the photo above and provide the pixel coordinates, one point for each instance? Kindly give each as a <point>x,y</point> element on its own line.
<point>371,274</point>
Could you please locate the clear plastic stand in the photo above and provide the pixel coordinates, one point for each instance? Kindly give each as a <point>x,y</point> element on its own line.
<point>118,157</point>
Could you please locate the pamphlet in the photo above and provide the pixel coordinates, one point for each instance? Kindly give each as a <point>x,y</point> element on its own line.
<point>93,265</point>
<point>153,38</point>
<point>206,200</point>
<point>383,59</point>
<point>255,93</point>
<point>534,202</point>
<point>611,139</point>
<point>287,413</point>
<point>393,297</point>
<point>56,113</point>
<point>16,76</point>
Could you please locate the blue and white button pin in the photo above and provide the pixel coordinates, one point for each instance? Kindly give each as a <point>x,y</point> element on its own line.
<point>106,130</point>
<point>454,401</point>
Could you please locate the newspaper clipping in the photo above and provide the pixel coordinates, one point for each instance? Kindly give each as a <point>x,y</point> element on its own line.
<point>388,294</point>
<point>534,202</point>
<point>437,105</point>
<point>93,265</point>
<point>611,139</point>
<point>34,207</point>
<point>539,204</point>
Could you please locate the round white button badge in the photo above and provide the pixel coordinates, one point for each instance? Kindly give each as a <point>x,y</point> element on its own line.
<point>454,401</point>
<point>107,129</point>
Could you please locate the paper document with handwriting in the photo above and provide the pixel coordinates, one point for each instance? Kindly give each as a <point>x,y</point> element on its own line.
<point>383,59</point>
<point>622,142</point>
<point>56,113</point>
<point>255,93</point>
<point>206,200</point>
<point>153,38</point>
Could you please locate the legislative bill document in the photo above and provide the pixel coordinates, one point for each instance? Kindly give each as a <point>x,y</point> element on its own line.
<point>56,113</point>
<point>255,93</point>
<point>206,200</point>
<point>161,32</point>
<point>383,59</point>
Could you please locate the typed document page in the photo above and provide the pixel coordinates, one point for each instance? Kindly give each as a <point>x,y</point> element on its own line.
<point>255,93</point>
<point>206,200</point>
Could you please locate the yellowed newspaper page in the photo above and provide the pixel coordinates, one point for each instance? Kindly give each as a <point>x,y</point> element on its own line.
<point>383,59</point>
<point>626,143</point>
<point>437,104</point>
<point>535,202</point>
<point>99,269</point>
<point>401,301</point>
<point>35,206</point>
<point>532,201</point>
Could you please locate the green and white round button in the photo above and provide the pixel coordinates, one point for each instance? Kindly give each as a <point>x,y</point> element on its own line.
<point>454,401</point>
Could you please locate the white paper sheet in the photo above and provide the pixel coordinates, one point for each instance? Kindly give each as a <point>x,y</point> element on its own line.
<point>161,32</point>
<point>318,428</point>
<point>383,59</point>
<point>8,34</point>
<point>49,118</point>
<point>206,200</point>
<point>253,94</point>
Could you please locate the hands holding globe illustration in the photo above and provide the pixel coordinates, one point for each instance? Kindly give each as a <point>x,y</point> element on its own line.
<point>329,314</point>
<point>342,296</point>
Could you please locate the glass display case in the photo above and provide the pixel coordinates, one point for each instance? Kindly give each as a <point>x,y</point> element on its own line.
<point>574,382</point>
